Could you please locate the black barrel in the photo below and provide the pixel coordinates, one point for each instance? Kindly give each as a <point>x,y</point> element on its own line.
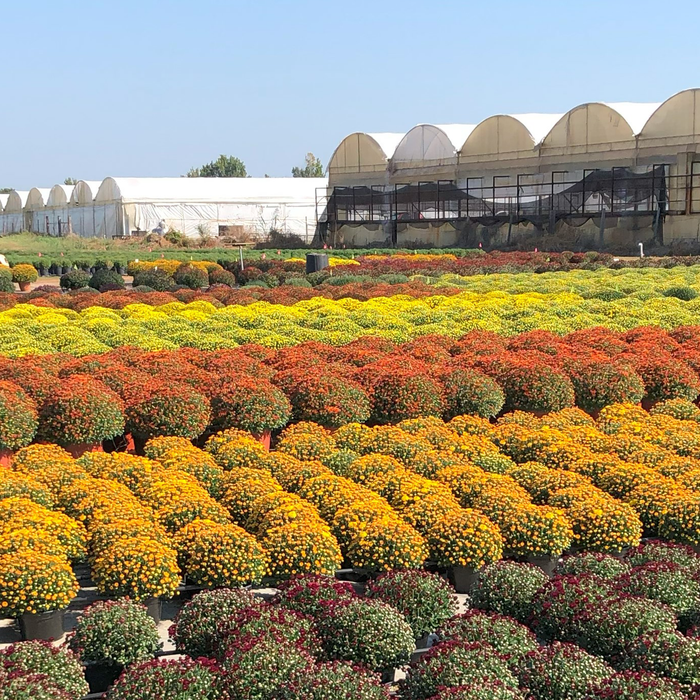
<point>316,262</point>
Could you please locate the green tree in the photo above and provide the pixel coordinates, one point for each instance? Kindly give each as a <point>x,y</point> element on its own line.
<point>313,167</point>
<point>223,166</point>
<point>5,190</point>
<point>70,181</point>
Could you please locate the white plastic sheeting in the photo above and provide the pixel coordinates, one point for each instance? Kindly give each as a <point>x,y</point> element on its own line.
<point>34,209</point>
<point>12,219</point>
<point>3,201</point>
<point>430,143</point>
<point>58,212</point>
<point>257,204</point>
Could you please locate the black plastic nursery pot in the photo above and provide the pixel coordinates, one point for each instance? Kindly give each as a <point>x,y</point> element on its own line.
<point>547,563</point>
<point>100,676</point>
<point>463,578</point>
<point>388,675</point>
<point>46,625</point>
<point>154,607</point>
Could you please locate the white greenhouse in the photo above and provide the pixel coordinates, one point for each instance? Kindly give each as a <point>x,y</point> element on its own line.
<point>119,207</point>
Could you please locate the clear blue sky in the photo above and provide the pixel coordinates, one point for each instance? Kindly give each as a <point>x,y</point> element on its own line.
<point>146,88</point>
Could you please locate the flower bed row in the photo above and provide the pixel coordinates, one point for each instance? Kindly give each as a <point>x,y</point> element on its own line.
<point>602,627</point>
<point>191,392</point>
<point>461,494</point>
<point>288,286</point>
<point>31,329</point>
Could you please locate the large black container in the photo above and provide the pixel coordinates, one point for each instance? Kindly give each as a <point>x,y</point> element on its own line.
<point>45,625</point>
<point>316,262</point>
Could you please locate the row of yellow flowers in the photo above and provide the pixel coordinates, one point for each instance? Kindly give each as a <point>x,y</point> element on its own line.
<point>462,493</point>
<point>27,329</point>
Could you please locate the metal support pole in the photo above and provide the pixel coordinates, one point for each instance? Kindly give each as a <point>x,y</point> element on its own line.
<point>602,225</point>
<point>240,251</point>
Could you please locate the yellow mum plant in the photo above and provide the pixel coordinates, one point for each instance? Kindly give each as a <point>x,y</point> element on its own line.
<point>216,555</point>
<point>138,567</point>
<point>33,582</point>
<point>466,538</point>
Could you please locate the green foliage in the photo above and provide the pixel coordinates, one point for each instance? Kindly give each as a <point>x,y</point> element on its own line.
<point>313,167</point>
<point>104,280</point>
<point>191,276</point>
<point>75,279</point>
<point>6,284</point>
<point>116,632</point>
<point>158,280</point>
<point>223,166</point>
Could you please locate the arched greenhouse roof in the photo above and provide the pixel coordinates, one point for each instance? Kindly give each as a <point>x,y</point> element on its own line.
<point>508,133</point>
<point>363,153</point>
<point>3,201</point>
<point>84,191</point>
<point>678,116</point>
<point>599,123</point>
<point>37,198</point>
<point>16,201</point>
<point>60,195</point>
<point>431,143</point>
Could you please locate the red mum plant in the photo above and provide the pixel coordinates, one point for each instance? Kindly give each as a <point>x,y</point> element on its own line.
<point>399,394</point>
<point>81,410</point>
<point>34,381</point>
<point>167,409</point>
<point>18,417</point>
<point>544,341</point>
<point>480,343</point>
<point>598,338</point>
<point>599,384</point>
<point>667,378</point>
<point>326,399</point>
<point>536,388</point>
<point>468,391</point>
<point>249,404</point>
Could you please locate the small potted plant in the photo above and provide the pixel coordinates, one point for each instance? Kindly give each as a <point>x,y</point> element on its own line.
<point>110,635</point>
<point>58,664</point>
<point>36,588</point>
<point>508,637</point>
<point>192,276</point>
<point>508,588</point>
<point>284,626</point>
<point>258,666</point>
<point>465,541</point>
<point>539,533</point>
<point>24,274</point>
<point>167,409</point>
<point>169,678</point>
<point>138,567</point>
<point>426,600</point>
<point>367,632</point>
<point>195,629</point>
<point>562,670</point>
<point>386,543</point>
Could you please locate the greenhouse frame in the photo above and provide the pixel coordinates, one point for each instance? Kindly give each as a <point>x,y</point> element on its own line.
<point>603,173</point>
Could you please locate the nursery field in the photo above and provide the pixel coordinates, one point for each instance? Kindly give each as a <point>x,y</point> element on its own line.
<point>423,481</point>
